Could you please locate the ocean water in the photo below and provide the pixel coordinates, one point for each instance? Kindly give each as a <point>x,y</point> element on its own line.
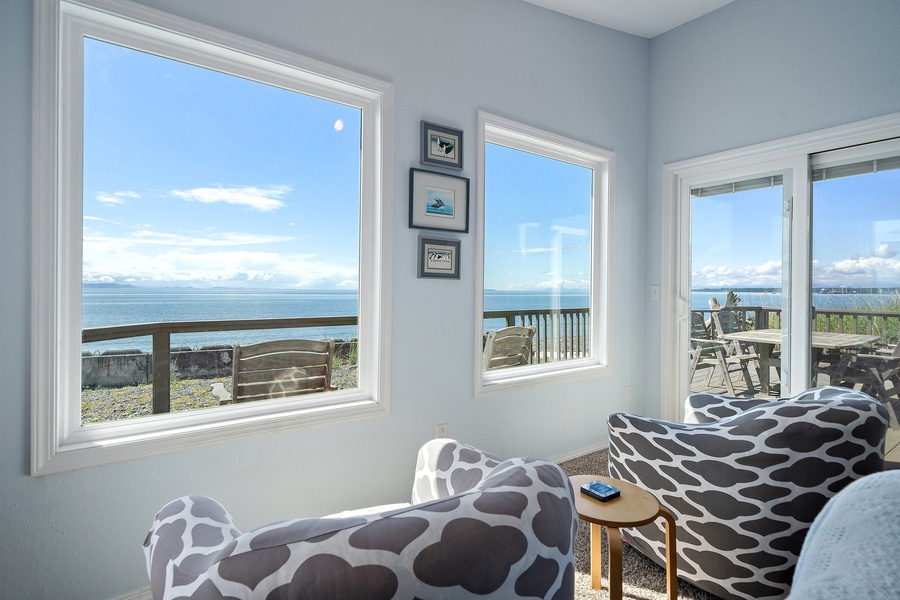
<point>128,306</point>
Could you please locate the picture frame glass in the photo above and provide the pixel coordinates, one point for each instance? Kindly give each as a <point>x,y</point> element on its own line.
<point>439,258</point>
<point>438,201</point>
<point>441,146</point>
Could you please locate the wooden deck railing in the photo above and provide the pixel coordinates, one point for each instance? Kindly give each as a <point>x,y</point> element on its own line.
<point>162,341</point>
<point>869,322</point>
<point>561,335</point>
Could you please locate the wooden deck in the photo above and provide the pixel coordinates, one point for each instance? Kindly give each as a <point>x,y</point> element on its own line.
<point>717,385</point>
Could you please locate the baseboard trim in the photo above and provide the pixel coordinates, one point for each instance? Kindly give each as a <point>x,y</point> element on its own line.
<point>141,594</point>
<point>579,452</point>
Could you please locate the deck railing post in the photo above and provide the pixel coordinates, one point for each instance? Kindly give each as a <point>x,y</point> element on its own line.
<point>161,375</point>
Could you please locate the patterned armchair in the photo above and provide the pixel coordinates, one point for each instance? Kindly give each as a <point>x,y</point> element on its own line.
<point>476,526</point>
<point>745,478</point>
<point>851,548</point>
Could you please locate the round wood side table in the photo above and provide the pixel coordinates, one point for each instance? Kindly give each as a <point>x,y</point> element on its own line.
<point>634,507</point>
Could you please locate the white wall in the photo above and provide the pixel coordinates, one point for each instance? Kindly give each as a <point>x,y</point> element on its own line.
<point>79,534</point>
<point>760,70</point>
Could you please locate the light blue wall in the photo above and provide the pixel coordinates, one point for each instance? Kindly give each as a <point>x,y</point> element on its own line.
<point>760,70</point>
<point>78,534</point>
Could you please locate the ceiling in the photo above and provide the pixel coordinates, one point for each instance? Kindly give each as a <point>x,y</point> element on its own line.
<point>646,18</point>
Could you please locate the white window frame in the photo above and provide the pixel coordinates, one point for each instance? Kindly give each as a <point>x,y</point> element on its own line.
<point>499,130</point>
<point>791,156</point>
<point>59,441</point>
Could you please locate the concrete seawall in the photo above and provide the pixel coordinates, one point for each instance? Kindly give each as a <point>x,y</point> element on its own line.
<point>120,368</point>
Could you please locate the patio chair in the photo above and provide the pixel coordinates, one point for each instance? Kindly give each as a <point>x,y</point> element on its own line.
<point>508,347</point>
<point>875,374</point>
<point>744,353</point>
<point>707,353</point>
<point>279,368</point>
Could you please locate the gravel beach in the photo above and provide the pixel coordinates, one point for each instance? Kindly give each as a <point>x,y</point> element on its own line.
<point>99,405</point>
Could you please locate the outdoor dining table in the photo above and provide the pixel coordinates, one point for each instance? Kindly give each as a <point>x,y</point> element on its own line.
<point>767,339</point>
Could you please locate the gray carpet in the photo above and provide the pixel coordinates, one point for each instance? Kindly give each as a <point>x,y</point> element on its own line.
<point>642,579</point>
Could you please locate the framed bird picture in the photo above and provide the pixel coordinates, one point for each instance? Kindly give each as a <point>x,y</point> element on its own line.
<point>438,258</point>
<point>442,146</point>
<point>438,201</point>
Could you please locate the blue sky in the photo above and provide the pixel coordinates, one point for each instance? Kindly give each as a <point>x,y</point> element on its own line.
<point>196,178</point>
<point>537,222</point>
<point>736,238</point>
<point>192,177</point>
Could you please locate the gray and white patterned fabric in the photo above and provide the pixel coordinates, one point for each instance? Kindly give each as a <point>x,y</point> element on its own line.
<point>480,527</point>
<point>746,479</point>
<point>851,548</point>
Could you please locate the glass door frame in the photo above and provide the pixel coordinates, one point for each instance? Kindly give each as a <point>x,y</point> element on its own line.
<point>792,158</point>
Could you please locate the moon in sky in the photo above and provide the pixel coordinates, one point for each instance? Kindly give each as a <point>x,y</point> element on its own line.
<point>338,125</point>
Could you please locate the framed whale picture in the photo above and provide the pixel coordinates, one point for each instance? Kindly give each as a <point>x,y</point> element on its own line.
<point>441,146</point>
<point>438,201</point>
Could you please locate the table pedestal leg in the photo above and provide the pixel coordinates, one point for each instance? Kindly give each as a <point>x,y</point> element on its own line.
<point>614,537</point>
<point>671,555</point>
<point>596,557</point>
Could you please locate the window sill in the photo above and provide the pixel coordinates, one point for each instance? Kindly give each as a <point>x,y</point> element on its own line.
<point>94,445</point>
<point>497,382</point>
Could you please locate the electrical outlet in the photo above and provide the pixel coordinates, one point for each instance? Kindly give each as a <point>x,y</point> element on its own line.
<point>627,393</point>
<point>440,431</point>
<point>654,292</point>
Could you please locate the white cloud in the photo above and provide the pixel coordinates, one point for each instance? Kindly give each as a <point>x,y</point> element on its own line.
<point>264,199</point>
<point>767,274</point>
<point>575,282</point>
<point>881,269</point>
<point>116,197</point>
<point>114,243</point>
<point>230,259</point>
<point>147,255</point>
<point>885,251</point>
<point>237,268</point>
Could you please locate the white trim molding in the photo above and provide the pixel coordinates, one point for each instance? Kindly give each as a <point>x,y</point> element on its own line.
<point>495,129</point>
<point>59,441</point>
<point>788,155</point>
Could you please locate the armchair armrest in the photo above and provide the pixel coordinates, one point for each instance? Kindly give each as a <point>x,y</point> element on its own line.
<point>445,467</point>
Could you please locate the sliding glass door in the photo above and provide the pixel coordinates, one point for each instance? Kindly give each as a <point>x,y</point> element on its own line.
<point>856,269</point>
<point>737,249</point>
<point>819,213</point>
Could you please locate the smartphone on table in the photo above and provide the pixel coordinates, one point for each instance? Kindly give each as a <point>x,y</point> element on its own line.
<point>600,491</point>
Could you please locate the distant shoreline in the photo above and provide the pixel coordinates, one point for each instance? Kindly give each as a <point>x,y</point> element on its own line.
<point>816,290</point>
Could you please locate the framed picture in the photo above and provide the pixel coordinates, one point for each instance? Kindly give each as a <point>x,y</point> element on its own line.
<point>438,201</point>
<point>438,258</point>
<point>442,146</point>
